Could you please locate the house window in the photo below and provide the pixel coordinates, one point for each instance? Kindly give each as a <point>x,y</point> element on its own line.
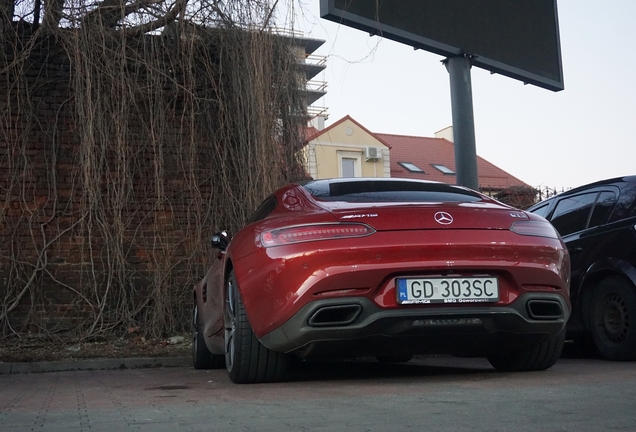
<point>443,168</point>
<point>412,167</point>
<point>350,164</point>
<point>348,167</point>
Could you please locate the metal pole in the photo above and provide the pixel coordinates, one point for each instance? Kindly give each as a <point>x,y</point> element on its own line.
<point>463,121</point>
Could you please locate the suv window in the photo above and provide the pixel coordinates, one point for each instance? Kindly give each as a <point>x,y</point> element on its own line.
<point>543,210</point>
<point>572,214</point>
<point>603,206</point>
<point>626,205</point>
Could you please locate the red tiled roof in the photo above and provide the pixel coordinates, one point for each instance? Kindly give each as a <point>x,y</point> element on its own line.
<point>310,133</point>
<point>424,152</point>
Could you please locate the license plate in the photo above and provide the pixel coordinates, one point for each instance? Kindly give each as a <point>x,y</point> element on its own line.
<point>447,290</point>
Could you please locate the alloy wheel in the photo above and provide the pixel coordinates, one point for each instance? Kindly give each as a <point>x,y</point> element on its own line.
<point>614,318</point>
<point>230,325</point>
<point>195,330</point>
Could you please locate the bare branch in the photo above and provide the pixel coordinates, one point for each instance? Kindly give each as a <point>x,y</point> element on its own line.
<point>168,18</point>
<point>121,152</point>
<point>107,13</point>
<point>52,14</point>
<point>6,16</point>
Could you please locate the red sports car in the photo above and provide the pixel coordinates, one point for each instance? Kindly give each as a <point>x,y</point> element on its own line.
<point>382,267</point>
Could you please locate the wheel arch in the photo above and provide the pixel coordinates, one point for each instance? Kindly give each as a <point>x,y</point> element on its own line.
<point>229,266</point>
<point>227,270</point>
<point>597,272</point>
<point>243,271</point>
<point>196,290</point>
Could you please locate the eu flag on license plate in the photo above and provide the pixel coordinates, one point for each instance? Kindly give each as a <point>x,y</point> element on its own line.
<point>402,291</point>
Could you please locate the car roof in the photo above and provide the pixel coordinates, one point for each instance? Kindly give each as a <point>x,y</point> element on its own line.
<point>625,179</point>
<point>608,182</point>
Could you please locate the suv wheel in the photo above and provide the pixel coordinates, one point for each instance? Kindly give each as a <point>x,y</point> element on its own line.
<point>613,318</point>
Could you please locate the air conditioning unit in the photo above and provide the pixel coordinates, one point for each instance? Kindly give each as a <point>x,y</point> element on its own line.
<point>372,153</point>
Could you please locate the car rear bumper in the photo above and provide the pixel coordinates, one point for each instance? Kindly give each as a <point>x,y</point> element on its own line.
<point>278,282</point>
<point>356,326</point>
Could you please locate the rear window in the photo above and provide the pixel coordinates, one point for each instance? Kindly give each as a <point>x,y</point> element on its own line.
<point>263,210</point>
<point>389,191</point>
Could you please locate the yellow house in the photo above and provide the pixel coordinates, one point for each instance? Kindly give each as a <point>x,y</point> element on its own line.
<point>346,149</point>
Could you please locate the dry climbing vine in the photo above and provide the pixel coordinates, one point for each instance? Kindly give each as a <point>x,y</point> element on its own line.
<point>129,132</point>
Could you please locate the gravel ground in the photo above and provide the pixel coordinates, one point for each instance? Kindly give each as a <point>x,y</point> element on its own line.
<point>37,349</point>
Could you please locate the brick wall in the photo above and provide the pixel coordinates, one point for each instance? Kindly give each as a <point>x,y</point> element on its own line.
<point>120,158</point>
<point>138,237</point>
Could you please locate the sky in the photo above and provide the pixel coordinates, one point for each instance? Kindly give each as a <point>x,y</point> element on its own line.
<point>547,139</point>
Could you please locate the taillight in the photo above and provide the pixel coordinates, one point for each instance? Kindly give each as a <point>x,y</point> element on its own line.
<point>307,233</point>
<point>534,228</point>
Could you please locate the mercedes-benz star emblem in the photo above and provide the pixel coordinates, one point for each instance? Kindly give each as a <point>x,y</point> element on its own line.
<point>443,218</point>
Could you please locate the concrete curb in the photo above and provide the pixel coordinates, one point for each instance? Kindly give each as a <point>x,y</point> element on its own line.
<point>94,364</point>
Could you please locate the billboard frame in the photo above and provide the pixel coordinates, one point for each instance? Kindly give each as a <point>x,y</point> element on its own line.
<point>328,10</point>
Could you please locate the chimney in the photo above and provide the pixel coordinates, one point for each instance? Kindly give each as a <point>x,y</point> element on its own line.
<point>318,122</point>
<point>446,133</point>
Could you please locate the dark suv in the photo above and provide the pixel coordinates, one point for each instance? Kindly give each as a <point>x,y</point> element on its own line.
<point>598,225</point>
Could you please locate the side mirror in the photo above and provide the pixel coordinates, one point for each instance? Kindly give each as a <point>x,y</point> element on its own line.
<point>220,240</point>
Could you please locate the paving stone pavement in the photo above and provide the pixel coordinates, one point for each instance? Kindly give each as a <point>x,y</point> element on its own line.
<point>97,400</point>
<point>174,399</point>
<point>335,398</point>
<point>427,394</point>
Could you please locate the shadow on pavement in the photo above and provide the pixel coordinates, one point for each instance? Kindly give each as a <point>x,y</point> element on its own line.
<point>368,368</point>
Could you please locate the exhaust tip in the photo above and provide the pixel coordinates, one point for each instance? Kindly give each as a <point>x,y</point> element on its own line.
<point>337,315</point>
<point>544,309</point>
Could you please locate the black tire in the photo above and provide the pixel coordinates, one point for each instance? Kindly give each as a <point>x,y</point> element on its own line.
<point>612,318</point>
<point>398,358</point>
<point>540,356</point>
<point>202,358</point>
<point>247,360</point>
